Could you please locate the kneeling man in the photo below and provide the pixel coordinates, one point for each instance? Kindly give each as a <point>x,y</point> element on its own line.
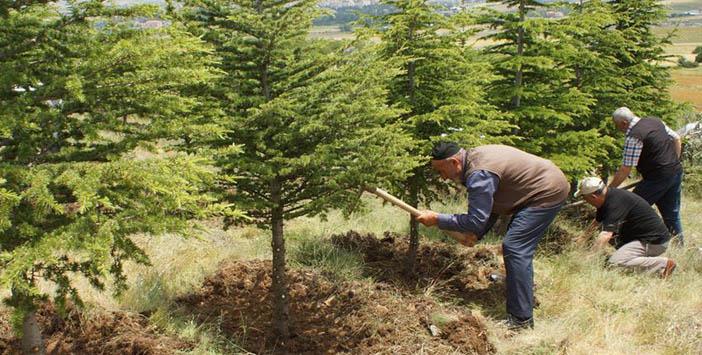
<point>639,234</point>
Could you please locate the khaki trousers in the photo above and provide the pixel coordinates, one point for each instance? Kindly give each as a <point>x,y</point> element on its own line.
<point>640,256</point>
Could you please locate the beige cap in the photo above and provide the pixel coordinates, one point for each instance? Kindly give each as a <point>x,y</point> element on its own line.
<point>589,185</point>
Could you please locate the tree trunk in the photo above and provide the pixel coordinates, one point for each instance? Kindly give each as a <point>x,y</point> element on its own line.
<point>411,257</point>
<point>518,78</point>
<point>281,332</point>
<point>32,342</point>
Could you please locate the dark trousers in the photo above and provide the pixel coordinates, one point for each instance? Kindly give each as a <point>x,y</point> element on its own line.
<point>525,230</point>
<point>665,194</point>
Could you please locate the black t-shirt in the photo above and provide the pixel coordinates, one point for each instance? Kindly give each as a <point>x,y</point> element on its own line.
<point>630,218</point>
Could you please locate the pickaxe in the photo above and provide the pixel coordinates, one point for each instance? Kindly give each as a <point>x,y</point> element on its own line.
<point>465,239</point>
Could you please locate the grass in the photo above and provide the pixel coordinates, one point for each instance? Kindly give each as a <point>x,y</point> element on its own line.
<point>688,86</point>
<point>330,32</point>
<point>585,307</point>
<point>682,34</point>
<point>682,5</point>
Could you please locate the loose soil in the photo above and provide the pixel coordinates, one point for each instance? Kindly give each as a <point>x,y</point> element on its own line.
<point>390,313</point>
<point>101,333</point>
<point>452,272</point>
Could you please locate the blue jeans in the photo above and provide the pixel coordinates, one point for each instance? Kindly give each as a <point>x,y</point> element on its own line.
<point>527,227</point>
<point>665,194</point>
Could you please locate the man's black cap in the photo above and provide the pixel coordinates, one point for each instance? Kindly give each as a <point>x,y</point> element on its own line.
<point>443,150</point>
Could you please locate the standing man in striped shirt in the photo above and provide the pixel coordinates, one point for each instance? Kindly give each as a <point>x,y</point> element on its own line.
<point>655,151</point>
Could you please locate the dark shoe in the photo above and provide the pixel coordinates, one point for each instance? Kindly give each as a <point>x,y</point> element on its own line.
<point>515,324</point>
<point>669,267</point>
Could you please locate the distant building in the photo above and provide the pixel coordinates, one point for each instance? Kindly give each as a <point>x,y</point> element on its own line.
<point>153,24</point>
<point>554,14</point>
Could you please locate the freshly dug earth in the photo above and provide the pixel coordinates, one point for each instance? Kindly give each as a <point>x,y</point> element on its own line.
<point>102,333</point>
<point>331,316</point>
<point>471,275</point>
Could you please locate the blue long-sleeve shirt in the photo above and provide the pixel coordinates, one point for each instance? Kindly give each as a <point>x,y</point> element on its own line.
<point>481,185</point>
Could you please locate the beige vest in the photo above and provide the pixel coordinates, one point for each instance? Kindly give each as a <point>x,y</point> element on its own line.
<point>525,179</point>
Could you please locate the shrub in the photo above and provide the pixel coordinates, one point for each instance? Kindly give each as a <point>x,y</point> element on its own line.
<point>698,52</point>
<point>684,63</point>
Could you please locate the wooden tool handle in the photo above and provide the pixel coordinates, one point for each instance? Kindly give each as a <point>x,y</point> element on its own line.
<point>467,239</point>
<point>394,200</point>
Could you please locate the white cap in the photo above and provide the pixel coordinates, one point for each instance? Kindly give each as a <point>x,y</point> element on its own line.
<point>589,185</point>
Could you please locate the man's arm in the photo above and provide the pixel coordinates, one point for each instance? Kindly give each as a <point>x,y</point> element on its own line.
<point>602,240</point>
<point>677,142</point>
<point>481,186</point>
<point>630,157</point>
<point>580,240</point>
<point>431,218</point>
<point>621,175</point>
<point>468,239</point>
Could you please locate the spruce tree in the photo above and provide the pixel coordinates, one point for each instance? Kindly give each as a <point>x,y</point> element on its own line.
<point>85,96</point>
<point>311,117</point>
<point>618,62</point>
<point>537,85</point>
<point>440,90</point>
<point>641,56</point>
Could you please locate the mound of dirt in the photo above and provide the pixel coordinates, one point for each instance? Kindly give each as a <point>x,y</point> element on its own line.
<point>5,333</point>
<point>102,333</point>
<point>329,316</point>
<point>474,275</point>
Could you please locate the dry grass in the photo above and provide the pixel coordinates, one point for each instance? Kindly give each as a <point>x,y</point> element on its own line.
<point>588,309</point>
<point>330,32</point>
<point>585,308</point>
<point>691,34</point>
<point>688,86</point>
<point>682,5</point>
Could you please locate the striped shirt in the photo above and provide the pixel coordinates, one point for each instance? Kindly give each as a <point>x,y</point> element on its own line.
<point>633,146</point>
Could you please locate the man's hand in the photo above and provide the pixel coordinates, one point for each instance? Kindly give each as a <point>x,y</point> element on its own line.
<point>467,239</point>
<point>602,240</point>
<point>581,240</point>
<point>621,175</point>
<point>428,218</point>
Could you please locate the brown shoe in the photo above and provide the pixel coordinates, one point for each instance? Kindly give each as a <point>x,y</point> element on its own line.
<point>669,267</point>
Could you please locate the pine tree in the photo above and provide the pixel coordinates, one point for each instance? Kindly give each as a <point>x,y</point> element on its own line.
<point>538,87</point>
<point>618,62</point>
<point>641,56</point>
<point>85,96</point>
<point>311,117</point>
<point>440,91</point>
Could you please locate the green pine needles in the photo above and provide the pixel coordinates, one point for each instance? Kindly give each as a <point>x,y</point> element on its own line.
<point>92,110</point>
